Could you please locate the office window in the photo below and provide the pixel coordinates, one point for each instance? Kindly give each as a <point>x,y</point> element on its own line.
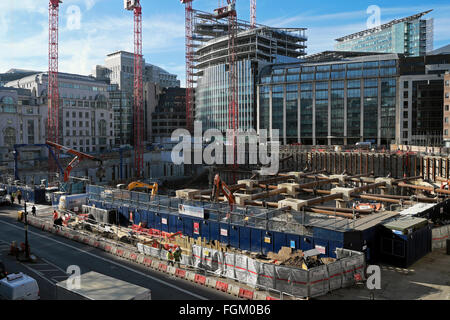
<point>405,84</point>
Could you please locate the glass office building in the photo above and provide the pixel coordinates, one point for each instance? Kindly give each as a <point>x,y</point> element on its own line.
<point>411,36</point>
<point>255,48</point>
<point>330,103</point>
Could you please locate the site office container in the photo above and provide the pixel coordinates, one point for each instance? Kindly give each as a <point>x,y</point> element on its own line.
<point>403,250</point>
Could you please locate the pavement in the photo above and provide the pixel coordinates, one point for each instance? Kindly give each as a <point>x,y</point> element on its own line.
<point>427,279</point>
<point>56,254</point>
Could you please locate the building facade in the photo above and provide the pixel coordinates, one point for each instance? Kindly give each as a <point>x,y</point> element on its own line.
<point>446,111</point>
<point>170,114</point>
<point>20,123</point>
<point>411,36</point>
<point>256,48</point>
<point>85,118</point>
<point>160,76</point>
<point>330,103</point>
<point>118,71</point>
<point>339,98</point>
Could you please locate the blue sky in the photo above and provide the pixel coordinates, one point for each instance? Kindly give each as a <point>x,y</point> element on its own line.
<point>90,29</point>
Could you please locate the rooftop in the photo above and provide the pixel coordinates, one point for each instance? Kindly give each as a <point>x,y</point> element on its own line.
<point>382,27</point>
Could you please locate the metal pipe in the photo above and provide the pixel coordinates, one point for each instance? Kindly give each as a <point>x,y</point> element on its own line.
<point>422,199</point>
<point>331,213</point>
<point>344,210</point>
<point>267,194</point>
<point>424,188</point>
<point>363,196</point>
<point>368,187</point>
<point>317,191</point>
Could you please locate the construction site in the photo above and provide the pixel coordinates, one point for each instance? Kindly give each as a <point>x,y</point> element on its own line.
<point>308,231</point>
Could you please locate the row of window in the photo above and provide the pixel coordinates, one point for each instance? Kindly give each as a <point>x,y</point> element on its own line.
<point>351,74</point>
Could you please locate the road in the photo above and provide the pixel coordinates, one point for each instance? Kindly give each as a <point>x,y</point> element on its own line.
<point>56,254</point>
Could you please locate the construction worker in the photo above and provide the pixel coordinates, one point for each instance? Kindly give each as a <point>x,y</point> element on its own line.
<point>19,196</point>
<point>13,195</point>
<point>33,211</point>
<point>57,220</point>
<point>177,256</point>
<point>170,257</point>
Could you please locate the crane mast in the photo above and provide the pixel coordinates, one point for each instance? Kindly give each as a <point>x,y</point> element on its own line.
<point>53,87</point>
<point>230,13</point>
<point>189,42</point>
<point>138,112</point>
<point>253,14</point>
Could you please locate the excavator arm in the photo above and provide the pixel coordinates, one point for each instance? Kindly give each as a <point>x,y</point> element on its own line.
<point>220,186</point>
<point>138,184</point>
<point>79,156</point>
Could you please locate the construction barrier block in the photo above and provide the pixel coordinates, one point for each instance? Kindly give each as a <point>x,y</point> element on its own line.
<point>200,279</point>
<point>190,276</point>
<point>211,282</point>
<point>86,240</point>
<point>91,242</point>
<point>107,247</point>
<point>140,258</point>
<point>162,267</point>
<point>171,270</point>
<point>133,256</point>
<point>120,252</point>
<point>155,264</point>
<point>233,289</point>
<point>113,250</point>
<point>96,244</point>
<point>127,254</point>
<point>180,273</point>
<point>148,262</point>
<point>245,294</point>
<point>222,286</point>
<point>75,237</point>
<point>271,298</point>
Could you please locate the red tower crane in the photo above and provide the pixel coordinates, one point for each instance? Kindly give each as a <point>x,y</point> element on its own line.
<point>189,63</point>
<point>138,113</point>
<point>53,88</point>
<point>253,13</point>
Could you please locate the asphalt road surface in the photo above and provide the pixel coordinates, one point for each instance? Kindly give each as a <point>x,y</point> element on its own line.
<point>55,254</point>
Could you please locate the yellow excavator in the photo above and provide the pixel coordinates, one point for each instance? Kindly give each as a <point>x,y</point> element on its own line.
<point>138,184</point>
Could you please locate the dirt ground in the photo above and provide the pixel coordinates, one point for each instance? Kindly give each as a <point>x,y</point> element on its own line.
<point>427,279</point>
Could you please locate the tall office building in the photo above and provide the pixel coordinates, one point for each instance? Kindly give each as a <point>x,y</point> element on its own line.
<point>330,99</point>
<point>255,48</point>
<point>118,71</point>
<point>336,98</point>
<point>411,36</point>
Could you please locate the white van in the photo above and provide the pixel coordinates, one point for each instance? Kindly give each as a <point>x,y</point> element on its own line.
<point>19,286</point>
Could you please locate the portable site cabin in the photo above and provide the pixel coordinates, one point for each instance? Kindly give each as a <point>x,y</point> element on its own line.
<point>405,240</point>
